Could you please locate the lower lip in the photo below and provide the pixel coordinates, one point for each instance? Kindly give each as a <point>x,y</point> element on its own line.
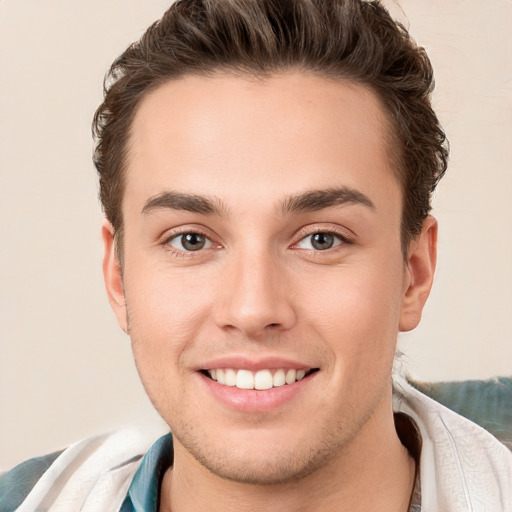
<point>252,400</point>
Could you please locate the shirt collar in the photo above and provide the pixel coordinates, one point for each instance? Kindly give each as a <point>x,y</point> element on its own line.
<point>144,490</point>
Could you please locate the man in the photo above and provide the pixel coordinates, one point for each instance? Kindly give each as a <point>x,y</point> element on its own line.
<point>266,170</point>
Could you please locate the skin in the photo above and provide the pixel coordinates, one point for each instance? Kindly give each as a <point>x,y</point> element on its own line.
<point>260,289</point>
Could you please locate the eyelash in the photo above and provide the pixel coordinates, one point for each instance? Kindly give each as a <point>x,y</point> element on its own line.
<point>184,253</point>
<point>303,234</point>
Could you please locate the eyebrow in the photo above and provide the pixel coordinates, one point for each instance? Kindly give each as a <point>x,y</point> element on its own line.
<point>187,202</point>
<point>316,200</point>
<point>311,201</point>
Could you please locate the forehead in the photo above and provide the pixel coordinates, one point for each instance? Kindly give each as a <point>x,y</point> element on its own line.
<point>261,136</point>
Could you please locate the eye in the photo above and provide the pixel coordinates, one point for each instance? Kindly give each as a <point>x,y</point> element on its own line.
<point>190,242</point>
<point>320,241</point>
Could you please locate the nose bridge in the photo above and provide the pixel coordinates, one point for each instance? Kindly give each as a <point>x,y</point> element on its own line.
<point>255,298</point>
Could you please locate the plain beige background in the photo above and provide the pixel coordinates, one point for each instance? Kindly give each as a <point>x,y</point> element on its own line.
<point>66,370</point>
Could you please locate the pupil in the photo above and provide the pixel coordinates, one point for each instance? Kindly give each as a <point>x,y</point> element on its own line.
<point>322,241</point>
<point>193,241</point>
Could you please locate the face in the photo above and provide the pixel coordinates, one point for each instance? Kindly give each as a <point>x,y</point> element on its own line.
<point>263,284</point>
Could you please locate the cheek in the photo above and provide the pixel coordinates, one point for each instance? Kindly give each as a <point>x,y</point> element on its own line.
<point>165,316</point>
<point>164,319</point>
<point>357,312</point>
<point>166,302</point>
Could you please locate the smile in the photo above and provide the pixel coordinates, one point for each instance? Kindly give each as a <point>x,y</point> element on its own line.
<point>259,380</point>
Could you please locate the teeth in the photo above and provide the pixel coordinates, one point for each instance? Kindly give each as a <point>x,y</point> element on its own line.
<point>290,376</point>
<point>279,378</point>
<point>262,379</point>
<point>230,377</point>
<point>244,379</point>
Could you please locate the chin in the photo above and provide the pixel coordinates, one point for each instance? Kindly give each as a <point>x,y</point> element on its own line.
<point>282,468</point>
<point>262,459</point>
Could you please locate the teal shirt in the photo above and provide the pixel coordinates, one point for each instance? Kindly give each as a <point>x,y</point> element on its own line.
<point>143,492</point>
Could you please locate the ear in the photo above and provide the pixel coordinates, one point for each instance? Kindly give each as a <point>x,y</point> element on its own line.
<point>113,275</point>
<point>419,274</point>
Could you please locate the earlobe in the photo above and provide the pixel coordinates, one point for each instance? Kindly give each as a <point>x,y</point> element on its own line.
<point>113,276</point>
<point>421,263</point>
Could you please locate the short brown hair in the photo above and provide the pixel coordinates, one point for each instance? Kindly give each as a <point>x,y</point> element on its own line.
<point>355,40</point>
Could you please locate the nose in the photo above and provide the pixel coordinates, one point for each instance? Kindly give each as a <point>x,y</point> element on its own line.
<point>256,297</point>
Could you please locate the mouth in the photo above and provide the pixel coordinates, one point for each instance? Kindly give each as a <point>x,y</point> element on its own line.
<point>262,379</point>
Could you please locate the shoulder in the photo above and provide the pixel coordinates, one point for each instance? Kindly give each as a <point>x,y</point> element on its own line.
<point>77,475</point>
<point>463,467</point>
<point>16,484</point>
<point>488,403</point>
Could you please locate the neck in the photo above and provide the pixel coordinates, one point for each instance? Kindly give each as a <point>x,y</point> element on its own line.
<point>373,472</point>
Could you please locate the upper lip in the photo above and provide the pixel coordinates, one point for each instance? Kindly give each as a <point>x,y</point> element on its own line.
<point>244,362</point>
